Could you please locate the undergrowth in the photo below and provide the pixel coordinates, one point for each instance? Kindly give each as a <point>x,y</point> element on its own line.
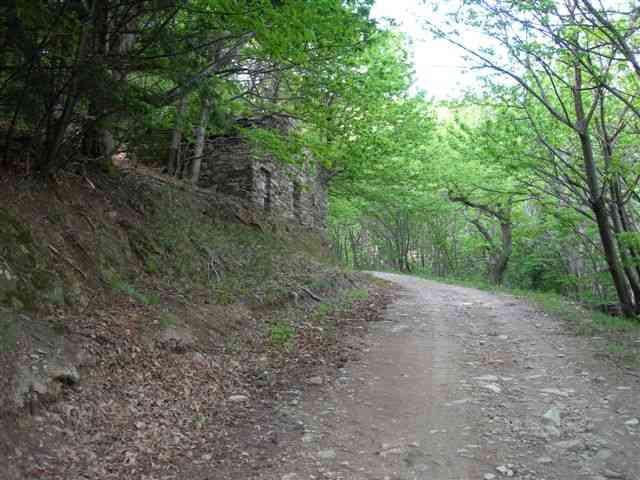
<point>281,334</point>
<point>232,262</point>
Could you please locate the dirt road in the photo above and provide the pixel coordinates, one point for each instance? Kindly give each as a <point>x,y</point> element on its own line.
<point>462,384</point>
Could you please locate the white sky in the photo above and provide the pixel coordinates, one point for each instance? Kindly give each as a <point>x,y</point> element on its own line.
<point>440,69</point>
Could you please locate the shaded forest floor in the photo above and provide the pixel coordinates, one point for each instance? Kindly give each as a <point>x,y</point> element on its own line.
<point>147,328</point>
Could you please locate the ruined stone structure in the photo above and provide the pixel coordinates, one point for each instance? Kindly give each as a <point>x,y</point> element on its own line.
<point>295,194</point>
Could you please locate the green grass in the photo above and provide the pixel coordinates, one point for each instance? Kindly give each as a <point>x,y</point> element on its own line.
<point>281,334</point>
<point>323,310</point>
<point>624,353</point>
<point>118,284</point>
<point>168,320</point>
<point>357,294</point>
<point>616,348</point>
<point>586,321</point>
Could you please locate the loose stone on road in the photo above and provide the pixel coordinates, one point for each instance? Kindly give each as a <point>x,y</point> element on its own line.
<point>463,384</point>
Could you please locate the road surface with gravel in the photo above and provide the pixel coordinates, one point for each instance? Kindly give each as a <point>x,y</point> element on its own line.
<point>458,383</point>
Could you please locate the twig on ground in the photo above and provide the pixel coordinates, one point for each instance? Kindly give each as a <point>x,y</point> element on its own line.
<point>68,260</point>
<point>311,294</point>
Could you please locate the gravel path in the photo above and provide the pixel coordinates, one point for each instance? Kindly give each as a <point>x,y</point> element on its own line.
<point>462,384</point>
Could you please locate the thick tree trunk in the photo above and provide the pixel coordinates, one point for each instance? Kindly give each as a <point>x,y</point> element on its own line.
<point>200,140</point>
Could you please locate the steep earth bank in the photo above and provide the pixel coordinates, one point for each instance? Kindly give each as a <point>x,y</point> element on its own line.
<point>147,328</point>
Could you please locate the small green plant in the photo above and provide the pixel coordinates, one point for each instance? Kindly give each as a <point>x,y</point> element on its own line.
<point>151,266</point>
<point>281,334</point>
<point>168,320</point>
<point>624,353</point>
<point>357,294</point>
<point>323,309</point>
<point>152,299</point>
<point>117,283</point>
<point>616,349</point>
<point>224,293</point>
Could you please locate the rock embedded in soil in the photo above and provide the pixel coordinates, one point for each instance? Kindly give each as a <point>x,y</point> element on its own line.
<point>551,421</point>
<point>492,386</point>
<point>612,474</point>
<point>552,417</point>
<point>67,374</point>
<point>238,398</point>
<point>557,391</point>
<point>570,445</point>
<point>504,470</point>
<point>317,380</point>
<point>327,454</point>
<point>174,339</point>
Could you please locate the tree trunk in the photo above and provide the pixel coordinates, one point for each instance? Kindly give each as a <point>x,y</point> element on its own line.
<point>200,140</point>
<point>597,201</point>
<point>501,258</point>
<point>607,240</point>
<point>627,226</point>
<point>176,137</point>
<point>629,271</point>
<point>55,135</point>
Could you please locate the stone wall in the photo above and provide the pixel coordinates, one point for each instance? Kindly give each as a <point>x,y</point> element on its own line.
<point>226,166</point>
<point>297,195</point>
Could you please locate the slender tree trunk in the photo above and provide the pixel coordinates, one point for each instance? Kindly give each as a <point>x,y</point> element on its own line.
<point>98,139</point>
<point>501,258</point>
<point>627,226</point>
<point>499,255</point>
<point>354,249</point>
<point>597,200</point>
<point>607,239</point>
<point>176,137</point>
<point>200,140</point>
<point>55,138</point>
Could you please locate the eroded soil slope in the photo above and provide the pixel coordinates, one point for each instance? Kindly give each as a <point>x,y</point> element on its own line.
<point>149,329</point>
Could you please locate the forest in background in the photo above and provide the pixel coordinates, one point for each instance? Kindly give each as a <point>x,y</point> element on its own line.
<point>530,180</point>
